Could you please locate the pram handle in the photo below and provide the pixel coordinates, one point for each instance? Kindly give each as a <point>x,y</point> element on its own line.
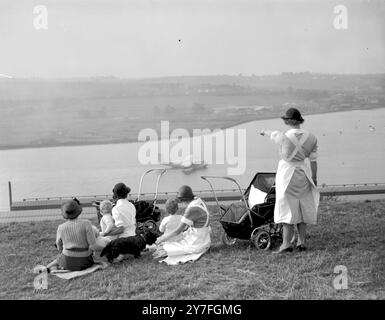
<point>161,172</point>
<point>206,178</point>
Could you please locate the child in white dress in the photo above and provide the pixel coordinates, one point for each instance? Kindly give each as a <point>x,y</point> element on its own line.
<point>106,225</point>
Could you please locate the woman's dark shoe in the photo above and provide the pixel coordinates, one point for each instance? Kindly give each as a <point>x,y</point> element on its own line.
<point>280,251</point>
<point>301,248</point>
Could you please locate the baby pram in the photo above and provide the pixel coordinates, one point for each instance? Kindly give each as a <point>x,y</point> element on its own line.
<point>147,212</point>
<point>251,218</point>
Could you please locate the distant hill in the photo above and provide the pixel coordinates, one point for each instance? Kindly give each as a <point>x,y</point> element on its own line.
<point>106,87</point>
<point>53,112</point>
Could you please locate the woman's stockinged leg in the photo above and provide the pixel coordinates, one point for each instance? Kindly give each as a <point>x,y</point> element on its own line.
<point>295,235</point>
<point>288,231</point>
<point>301,234</point>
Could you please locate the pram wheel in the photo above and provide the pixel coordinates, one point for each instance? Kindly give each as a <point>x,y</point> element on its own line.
<point>228,241</point>
<point>261,239</point>
<point>150,224</point>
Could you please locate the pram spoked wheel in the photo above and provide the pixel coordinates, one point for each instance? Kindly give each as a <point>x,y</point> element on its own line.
<point>150,224</point>
<point>261,239</point>
<point>228,241</point>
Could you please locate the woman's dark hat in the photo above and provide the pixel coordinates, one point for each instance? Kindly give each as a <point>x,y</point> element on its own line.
<point>71,209</point>
<point>121,190</point>
<point>185,193</point>
<point>293,114</point>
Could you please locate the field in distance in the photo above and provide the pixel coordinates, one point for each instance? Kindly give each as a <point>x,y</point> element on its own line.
<point>54,112</point>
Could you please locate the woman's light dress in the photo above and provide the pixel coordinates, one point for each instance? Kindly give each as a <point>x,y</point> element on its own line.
<point>196,239</point>
<point>297,198</point>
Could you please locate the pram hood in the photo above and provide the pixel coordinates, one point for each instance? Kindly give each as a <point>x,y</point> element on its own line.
<point>263,181</point>
<point>259,187</point>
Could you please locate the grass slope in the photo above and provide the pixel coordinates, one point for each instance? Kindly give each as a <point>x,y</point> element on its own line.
<point>350,234</point>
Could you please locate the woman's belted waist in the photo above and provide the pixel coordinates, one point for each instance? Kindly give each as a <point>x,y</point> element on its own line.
<point>77,252</point>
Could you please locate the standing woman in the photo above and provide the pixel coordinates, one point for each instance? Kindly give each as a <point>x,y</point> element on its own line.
<point>297,197</point>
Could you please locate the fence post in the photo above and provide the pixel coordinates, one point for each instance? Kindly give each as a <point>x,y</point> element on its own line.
<point>10,195</point>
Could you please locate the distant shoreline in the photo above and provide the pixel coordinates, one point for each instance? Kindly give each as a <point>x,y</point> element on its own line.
<point>124,141</point>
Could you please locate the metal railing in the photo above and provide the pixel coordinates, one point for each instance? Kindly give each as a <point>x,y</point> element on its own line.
<point>353,185</point>
<point>55,202</point>
<point>109,196</point>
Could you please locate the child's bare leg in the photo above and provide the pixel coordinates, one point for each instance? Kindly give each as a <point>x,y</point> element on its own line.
<point>52,264</point>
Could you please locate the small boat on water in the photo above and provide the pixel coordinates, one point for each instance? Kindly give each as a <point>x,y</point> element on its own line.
<point>187,165</point>
<point>194,167</point>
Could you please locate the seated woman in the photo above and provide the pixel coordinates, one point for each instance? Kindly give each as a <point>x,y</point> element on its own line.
<point>195,240</point>
<point>75,240</point>
<point>124,212</point>
<point>124,215</point>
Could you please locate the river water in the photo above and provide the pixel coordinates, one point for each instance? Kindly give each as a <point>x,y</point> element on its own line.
<point>351,150</point>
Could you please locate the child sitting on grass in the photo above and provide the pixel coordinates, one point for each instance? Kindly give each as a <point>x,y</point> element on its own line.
<point>109,231</point>
<point>172,220</point>
<point>75,240</point>
<point>107,223</point>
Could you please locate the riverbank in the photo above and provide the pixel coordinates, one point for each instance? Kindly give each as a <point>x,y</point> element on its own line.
<point>347,233</point>
<point>219,124</point>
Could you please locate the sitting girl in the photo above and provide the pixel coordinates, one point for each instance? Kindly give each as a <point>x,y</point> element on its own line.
<point>75,240</point>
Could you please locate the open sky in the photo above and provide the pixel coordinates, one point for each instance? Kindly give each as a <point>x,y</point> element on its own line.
<point>154,38</point>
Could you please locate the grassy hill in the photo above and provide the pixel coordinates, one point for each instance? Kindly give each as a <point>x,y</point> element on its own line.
<point>348,233</point>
